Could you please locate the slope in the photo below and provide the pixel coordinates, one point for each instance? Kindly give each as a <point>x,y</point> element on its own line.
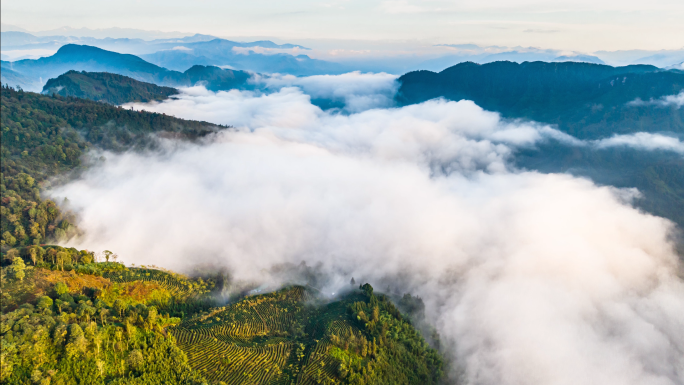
<point>45,137</point>
<point>106,87</point>
<point>588,101</point>
<point>115,324</point>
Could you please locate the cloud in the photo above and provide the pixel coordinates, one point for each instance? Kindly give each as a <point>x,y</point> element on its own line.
<point>529,278</point>
<point>19,54</point>
<point>643,141</point>
<point>541,30</point>
<point>267,51</point>
<point>665,101</point>
<point>356,90</point>
<point>400,6</point>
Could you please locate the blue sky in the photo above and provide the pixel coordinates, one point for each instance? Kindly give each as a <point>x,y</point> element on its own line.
<point>581,25</point>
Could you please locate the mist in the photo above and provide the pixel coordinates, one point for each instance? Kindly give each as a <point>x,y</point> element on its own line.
<point>530,278</point>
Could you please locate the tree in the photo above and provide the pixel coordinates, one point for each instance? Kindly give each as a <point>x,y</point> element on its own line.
<point>87,258</point>
<point>107,254</point>
<point>34,255</point>
<point>119,307</point>
<point>45,302</point>
<point>367,288</point>
<point>352,282</point>
<point>135,359</point>
<point>62,258</point>
<point>18,268</point>
<point>61,288</point>
<point>8,239</point>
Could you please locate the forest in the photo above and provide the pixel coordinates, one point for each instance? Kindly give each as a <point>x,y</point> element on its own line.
<point>45,137</point>
<point>74,317</point>
<point>106,87</point>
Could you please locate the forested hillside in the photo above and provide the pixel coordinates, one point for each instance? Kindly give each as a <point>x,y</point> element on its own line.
<point>106,87</point>
<point>68,319</point>
<point>46,136</point>
<point>588,101</point>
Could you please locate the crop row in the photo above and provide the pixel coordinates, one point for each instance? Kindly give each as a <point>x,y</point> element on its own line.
<point>178,287</point>
<point>232,364</point>
<point>318,366</point>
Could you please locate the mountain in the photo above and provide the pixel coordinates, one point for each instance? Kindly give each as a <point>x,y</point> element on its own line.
<point>45,138</point>
<point>259,56</point>
<point>588,101</point>
<point>92,59</point>
<point>662,58</point>
<point>106,87</point>
<point>182,53</point>
<point>13,78</point>
<point>131,325</point>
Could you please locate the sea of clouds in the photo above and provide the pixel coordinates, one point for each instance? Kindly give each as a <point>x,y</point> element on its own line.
<point>529,278</point>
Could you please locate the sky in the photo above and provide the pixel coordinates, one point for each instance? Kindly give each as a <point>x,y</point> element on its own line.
<point>579,25</point>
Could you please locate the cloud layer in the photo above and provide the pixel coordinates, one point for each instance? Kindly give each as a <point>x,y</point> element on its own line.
<point>529,278</point>
<point>643,141</point>
<point>666,101</point>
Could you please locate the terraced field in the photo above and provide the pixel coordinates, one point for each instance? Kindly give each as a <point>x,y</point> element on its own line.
<point>273,338</point>
<point>176,284</point>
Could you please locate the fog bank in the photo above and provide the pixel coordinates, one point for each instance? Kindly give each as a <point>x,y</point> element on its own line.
<point>530,278</point>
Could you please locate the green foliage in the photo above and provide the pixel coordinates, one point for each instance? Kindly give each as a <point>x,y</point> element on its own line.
<point>287,336</point>
<point>85,333</point>
<point>388,350</point>
<point>18,268</point>
<point>73,347</point>
<point>61,288</point>
<point>72,337</point>
<point>44,137</point>
<point>106,87</point>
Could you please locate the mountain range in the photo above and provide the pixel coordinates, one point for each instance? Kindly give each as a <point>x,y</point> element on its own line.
<point>585,100</point>
<point>86,58</point>
<point>182,53</point>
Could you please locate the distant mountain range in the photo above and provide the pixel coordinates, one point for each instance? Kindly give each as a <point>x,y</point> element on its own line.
<point>31,74</point>
<point>182,53</point>
<point>584,100</point>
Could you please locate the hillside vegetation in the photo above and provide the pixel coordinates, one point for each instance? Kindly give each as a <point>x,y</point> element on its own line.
<point>106,87</point>
<point>68,319</point>
<point>46,136</point>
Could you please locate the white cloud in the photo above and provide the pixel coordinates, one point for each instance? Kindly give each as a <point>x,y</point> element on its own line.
<point>529,278</point>
<point>665,101</point>
<point>18,54</point>
<point>358,91</point>
<point>643,141</point>
<point>267,51</point>
<point>401,6</point>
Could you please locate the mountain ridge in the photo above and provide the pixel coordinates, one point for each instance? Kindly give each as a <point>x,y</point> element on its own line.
<point>93,59</point>
<point>585,100</point>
